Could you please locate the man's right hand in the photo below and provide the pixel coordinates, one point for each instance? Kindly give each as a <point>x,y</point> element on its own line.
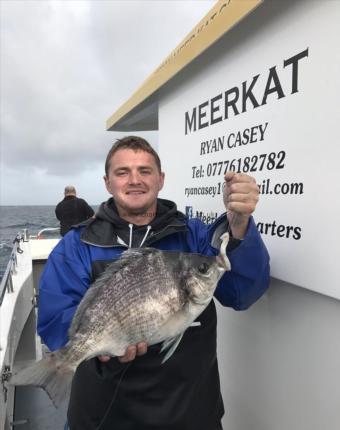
<point>130,354</point>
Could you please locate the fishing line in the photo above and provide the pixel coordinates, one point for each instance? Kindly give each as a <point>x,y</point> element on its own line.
<point>114,396</point>
<point>231,221</point>
<point>229,213</point>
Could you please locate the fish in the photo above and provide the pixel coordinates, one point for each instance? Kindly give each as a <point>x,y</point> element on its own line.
<point>147,295</point>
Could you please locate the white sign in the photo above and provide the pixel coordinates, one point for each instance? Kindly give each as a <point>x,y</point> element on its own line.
<point>266,103</point>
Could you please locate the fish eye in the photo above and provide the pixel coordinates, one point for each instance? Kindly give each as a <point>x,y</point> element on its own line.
<point>203,268</point>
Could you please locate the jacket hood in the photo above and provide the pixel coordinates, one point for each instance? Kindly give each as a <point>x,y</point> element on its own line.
<point>109,229</point>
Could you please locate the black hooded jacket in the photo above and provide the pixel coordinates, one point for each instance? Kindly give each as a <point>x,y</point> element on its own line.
<point>70,211</point>
<point>108,229</point>
<point>181,394</point>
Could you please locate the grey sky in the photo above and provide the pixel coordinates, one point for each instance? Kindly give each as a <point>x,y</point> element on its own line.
<point>66,66</point>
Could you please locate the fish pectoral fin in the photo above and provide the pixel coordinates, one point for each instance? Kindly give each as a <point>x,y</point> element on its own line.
<point>170,345</point>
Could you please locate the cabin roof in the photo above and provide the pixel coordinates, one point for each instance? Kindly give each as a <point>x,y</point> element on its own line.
<point>140,111</point>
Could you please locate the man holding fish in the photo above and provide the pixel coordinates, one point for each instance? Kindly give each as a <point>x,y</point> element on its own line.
<point>133,386</point>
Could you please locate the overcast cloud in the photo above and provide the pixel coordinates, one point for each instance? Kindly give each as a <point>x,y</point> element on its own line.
<point>66,66</point>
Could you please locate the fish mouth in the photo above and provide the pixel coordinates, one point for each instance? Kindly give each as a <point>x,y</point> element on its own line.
<point>222,263</point>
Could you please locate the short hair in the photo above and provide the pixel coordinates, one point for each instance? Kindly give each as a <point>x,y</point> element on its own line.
<point>69,189</point>
<point>135,143</point>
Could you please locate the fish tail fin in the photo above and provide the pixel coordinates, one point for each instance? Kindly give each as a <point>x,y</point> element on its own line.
<point>50,374</point>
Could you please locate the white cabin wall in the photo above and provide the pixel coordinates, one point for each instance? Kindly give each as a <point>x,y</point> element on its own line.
<point>280,362</point>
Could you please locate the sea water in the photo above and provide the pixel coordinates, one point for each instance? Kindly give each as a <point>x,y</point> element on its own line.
<point>13,219</point>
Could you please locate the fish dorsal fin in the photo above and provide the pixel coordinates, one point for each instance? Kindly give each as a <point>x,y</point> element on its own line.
<point>170,346</point>
<point>126,258</point>
<point>137,253</point>
<point>130,256</point>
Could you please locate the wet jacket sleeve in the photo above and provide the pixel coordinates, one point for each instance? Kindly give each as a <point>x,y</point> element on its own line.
<point>63,283</point>
<point>249,275</point>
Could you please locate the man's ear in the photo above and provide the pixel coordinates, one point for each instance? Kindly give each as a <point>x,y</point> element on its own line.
<point>161,182</point>
<point>107,182</point>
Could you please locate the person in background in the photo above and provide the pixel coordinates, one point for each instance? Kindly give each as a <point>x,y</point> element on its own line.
<point>72,210</point>
<point>136,391</point>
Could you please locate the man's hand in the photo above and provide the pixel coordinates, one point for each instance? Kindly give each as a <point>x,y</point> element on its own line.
<point>130,354</point>
<point>240,198</point>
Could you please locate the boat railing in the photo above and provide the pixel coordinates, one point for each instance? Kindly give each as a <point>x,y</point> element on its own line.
<point>7,282</point>
<point>41,233</point>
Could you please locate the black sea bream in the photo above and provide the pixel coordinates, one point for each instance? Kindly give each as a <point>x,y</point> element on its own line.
<point>147,295</point>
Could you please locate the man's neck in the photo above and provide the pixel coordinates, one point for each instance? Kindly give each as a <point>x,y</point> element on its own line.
<point>142,218</point>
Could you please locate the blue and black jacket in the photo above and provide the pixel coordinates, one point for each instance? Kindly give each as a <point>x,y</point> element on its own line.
<point>184,392</point>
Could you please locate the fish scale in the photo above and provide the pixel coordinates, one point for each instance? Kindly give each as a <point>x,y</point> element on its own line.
<point>121,294</point>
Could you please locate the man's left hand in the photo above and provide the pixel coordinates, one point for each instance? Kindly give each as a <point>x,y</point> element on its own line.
<point>240,198</point>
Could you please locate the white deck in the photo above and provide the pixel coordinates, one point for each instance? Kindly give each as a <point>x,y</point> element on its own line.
<point>41,248</point>
<point>18,340</point>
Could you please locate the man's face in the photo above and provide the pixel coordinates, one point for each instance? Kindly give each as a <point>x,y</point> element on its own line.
<point>134,182</point>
